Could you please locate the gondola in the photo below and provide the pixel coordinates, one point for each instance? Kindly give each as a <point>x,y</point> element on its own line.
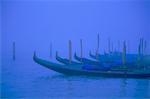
<point>78,70</point>
<point>101,58</point>
<point>86,61</point>
<point>88,65</point>
<point>114,57</point>
<point>65,61</point>
<point>113,65</point>
<point>130,59</point>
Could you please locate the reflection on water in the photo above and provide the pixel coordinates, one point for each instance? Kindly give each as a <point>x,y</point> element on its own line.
<point>28,79</point>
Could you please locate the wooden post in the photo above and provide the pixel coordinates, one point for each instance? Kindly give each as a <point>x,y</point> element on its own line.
<point>14,51</point>
<point>118,46</point>
<point>70,51</point>
<point>124,53</point>
<point>50,50</point>
<point>112,47</point>
<point>81,49</point>
<point>128,47</point>
<point>109,45</point>
<point>56,54</point>
<point>141,46</point>
<point>139,52</point>
<point>97,50</point>
<point>145,46</point>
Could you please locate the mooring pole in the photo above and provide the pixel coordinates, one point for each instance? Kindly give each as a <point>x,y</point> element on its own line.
<point>142,46</point>
<point>145,46</point>
<point>112,46</point>
<point>109,45</point>
<point>14,51</point>
<point>97,51</point>
<point>118,45</point>
<point>81,49</point>
<point>70,51</point>
<point>128,46</point>
<point>56,54</point>
<point>139,52</point>
<point>50,50</point>
<point>124,53</point>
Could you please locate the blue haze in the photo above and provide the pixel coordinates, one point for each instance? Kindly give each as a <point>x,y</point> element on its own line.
<point>34,24</point>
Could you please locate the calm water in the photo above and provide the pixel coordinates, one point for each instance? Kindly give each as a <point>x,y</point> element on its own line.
<point>24,78</point>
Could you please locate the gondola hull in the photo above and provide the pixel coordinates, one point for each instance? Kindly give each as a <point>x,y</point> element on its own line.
<point>76,70</point>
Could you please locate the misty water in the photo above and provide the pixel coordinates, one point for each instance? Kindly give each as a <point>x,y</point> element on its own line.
<point>33,25</point>
<point>24,78</point>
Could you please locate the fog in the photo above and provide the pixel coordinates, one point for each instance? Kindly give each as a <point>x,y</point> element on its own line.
<point>34,24</point>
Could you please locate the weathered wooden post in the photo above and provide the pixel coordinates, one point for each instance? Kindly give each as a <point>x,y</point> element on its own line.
<point>142,46</point>
<point>118,46</point>
<point>145,46</point>
<point>97,50</point>
<point>109,45</point>
<point>70,51</point>
<point>128,47</point>
<point>81,49</point>
<point>50,50</point>
<point>144,53</point>
<point>124,53</point>
<point>56,54</point>
<point>112,47</point>
<point>139,53</point>
<point>14,51</point>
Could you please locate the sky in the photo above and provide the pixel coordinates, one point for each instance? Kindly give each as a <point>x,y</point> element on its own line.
<point>34,24</point>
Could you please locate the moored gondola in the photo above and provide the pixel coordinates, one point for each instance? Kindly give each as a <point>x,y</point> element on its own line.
<point>64,60</point>
<point>78,70</point>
